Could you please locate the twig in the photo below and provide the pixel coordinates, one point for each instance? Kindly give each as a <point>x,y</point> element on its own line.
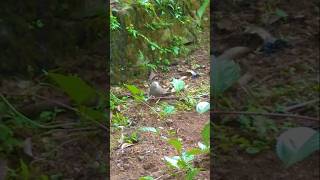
<point>41,125</point>
<point>165,175</point>
<point>57,103</point>
<point>72,109</point>
<point>69,130</point>
<point>290,108</point>
<point>150,108</point>
<point>175,97</point>
<point>267,114</point>
<point>60,146</point>
<point>165,97</point>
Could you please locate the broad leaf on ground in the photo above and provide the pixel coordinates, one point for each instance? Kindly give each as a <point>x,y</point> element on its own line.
<point>178,84</point>
<point>203,107</point>
<point>224,73</point>
<point>149,129</point>
<point>296,144</point>
<point>205,134</point>
<point>168,109</point>
<point>176,143</point>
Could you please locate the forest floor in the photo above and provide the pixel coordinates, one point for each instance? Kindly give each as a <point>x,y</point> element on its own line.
<point>145,157</point>
<point>277,82</point>
<point>76,149</point>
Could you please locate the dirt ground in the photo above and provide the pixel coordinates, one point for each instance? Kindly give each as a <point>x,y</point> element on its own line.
<point>145,157</point>
<point>295,69</point>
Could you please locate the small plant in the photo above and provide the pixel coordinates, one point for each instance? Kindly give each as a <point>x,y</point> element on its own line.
<point>145,63</point>
<point>47,116</point>
<point>131,30</point>
<point>9,123</point>
<point>37,24</point>
<point>187,103</point>
<point>131,138</point>
<point>183,162</point>
<point>120,120</point>
<point>7,140</point>
<point>114,24</point>
<point>115,101</point>
<point>163,64</point>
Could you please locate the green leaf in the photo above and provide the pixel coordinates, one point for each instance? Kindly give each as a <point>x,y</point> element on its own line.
<point>5,132</point>
<point>252,150</point>
<point>192,173</point>
<point>202,107</point>
<point>137,93</point>
<point>202,8</point>
<point>24,170</point>
<point>205,134</point>
<point>203,147</point>
<point>134,90</point>
<point>178,84</point>
<point>296,144</point>
<point>93,114</point>
<point>195,151</point>
<point>168,109</point>
<point>44,177</point>
<point>182,164</point>
<point>224,73</point>
<point>77,89</point>
<point>176,143</point>
<point>173,161</point>
<point>149,129</point>
<point>176,50</point>
<point>281,13</point>
<point>187,157</point>
<point>146,178</point>
<point>3,109</point>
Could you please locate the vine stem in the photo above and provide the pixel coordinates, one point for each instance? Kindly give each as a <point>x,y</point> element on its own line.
<point>26,118</point>
<point>45,126</point>
<point>151,108</point>
<point>266,114</point>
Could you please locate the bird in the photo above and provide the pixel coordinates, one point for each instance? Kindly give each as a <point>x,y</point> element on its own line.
<point>271,44</point>
<point>264,34</point>
<point>156,90</point>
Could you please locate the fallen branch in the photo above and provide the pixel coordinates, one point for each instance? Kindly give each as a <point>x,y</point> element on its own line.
<point>66,106</point>
<point>13,109</point>
<point>266,114</point>
<point>61,104</point>
<point>178,98</point>
<point>290,108</point>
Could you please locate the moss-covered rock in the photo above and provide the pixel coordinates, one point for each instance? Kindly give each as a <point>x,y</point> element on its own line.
<point>152,26</point>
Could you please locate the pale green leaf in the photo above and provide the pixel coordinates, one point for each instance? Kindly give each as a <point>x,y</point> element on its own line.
<point>296,144</point>
<point>203,107</point>
<point>149,129</point>
<point>178,84</point>
<point>224,73</point>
